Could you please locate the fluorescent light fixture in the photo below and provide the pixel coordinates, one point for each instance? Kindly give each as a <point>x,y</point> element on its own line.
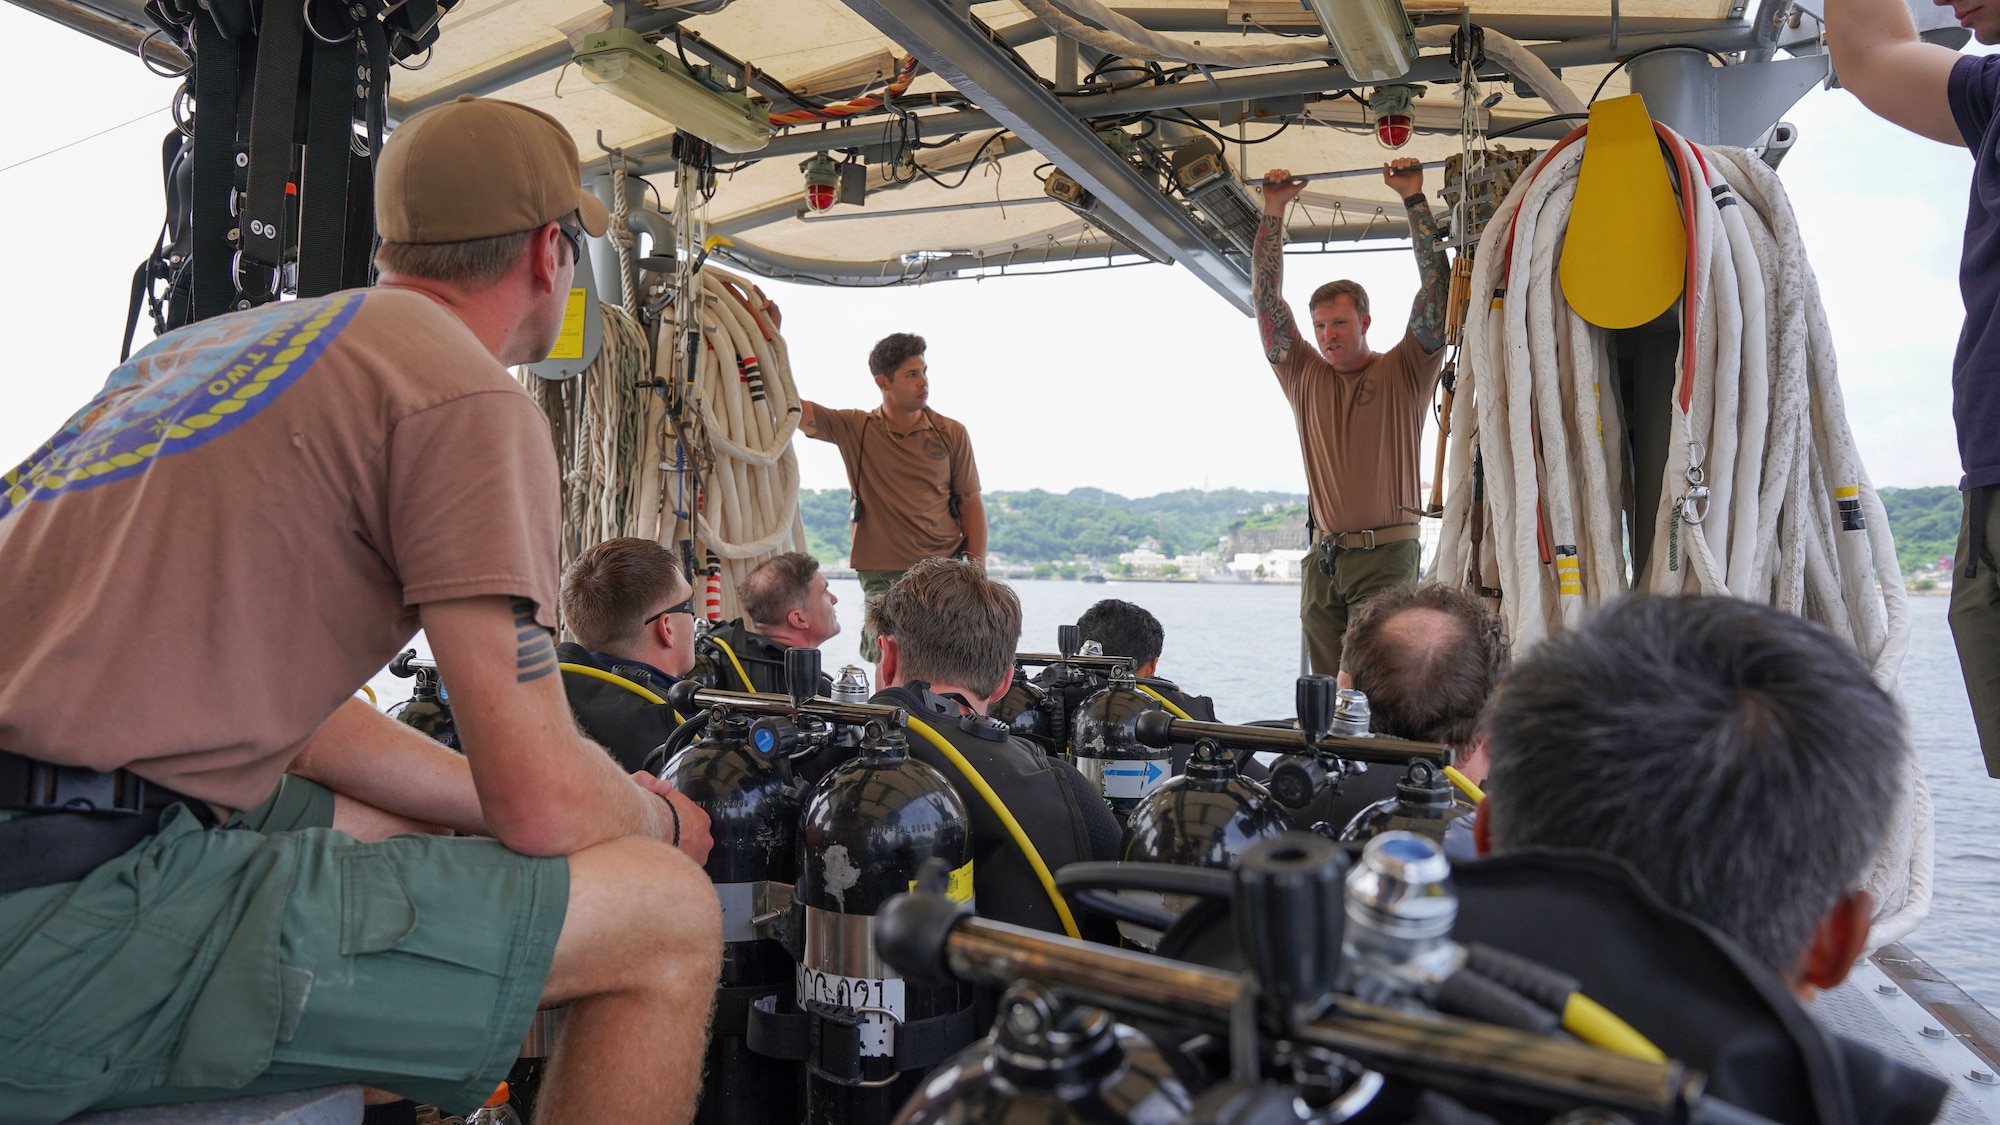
<point>1066,191</point>
<point>621,61</point>
<point>1373,38</point>
<point>1207,183</point>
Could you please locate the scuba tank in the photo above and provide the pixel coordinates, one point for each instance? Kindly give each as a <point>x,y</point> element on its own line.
<point>1049,1061</point>
<point>868,826</point>
<point>1426,804</point>
<point>1323,708</point>
<point>740,776</point>
<point>429,707</point>
<point>1206,817</point>
<point>1107,750</point>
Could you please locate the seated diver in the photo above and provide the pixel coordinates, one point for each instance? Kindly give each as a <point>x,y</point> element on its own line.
<point>1428,656</point>
<point>631,610</point>
<point>788,606</point>
<point>947,634</point>
<point>1733,768</point>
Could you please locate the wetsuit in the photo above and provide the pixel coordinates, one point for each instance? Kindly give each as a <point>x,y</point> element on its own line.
<point>1063,816</point>
<point>612,716</point>
<point>762,658</point>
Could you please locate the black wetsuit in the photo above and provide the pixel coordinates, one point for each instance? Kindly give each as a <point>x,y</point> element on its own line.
<point>612,716</point>
<point>1062,814</point>
<point>763,659</point>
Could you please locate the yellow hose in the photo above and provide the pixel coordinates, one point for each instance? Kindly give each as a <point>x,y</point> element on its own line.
<point>1595,1024</point>
<point>639,690</point>
<point>370,693</point>
<point>1465,785</point>
<point>735,663</point>
<point>1167,703</point>
<point>1000,809</point>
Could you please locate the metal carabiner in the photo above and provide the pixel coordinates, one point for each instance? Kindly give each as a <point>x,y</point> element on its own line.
<point>306,7</point>
<point>1694,505</point>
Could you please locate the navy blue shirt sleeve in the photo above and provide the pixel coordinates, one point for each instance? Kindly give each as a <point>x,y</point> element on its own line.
<point>1973,88</point>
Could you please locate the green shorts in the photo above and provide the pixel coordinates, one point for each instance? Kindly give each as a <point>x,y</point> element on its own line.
<point>209,963</point>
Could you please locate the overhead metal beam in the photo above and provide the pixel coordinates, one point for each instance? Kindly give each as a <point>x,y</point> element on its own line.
<point>123,27</point>
<point>963,57</point>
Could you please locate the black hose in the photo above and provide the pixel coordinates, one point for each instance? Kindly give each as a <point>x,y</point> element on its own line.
<point>676,742</point>
<point>1161,878</point>
<point>1108,903</point>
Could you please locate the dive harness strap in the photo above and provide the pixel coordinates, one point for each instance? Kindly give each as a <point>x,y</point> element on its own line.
<point>323,210</point>
<point>75,819</point>
<point>828,1039</point>
<point>263,220</point>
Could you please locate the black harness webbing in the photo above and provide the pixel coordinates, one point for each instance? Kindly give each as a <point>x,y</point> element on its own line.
<point>323,205</point>
<point>218,78</point>
<point>274,101</point>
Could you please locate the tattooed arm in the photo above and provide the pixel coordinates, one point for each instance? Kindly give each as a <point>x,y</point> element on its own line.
<point>1427,313</point>
<point>543,789</point>
<point>1267,268</point>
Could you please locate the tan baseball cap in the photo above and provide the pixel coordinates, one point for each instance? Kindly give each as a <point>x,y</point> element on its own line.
<point>477,168</point>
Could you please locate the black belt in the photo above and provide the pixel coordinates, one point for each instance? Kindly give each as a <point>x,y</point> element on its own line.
<point>76,819</point>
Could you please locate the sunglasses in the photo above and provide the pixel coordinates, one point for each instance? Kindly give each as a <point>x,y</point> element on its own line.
<point>686,607</point>
<point>576,244</point>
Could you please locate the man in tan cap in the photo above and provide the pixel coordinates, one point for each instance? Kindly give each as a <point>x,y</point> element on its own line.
<point>203,892</point>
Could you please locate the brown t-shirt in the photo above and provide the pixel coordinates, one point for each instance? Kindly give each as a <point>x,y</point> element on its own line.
<point>1361,432</point>
<point>905,481</point>
<point>220,548</point>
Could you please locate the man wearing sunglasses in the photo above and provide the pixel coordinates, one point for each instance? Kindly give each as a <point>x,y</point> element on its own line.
<point>631,609</point>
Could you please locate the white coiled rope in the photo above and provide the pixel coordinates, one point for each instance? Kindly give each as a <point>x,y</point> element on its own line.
<point>736,437</point>
<point>1789,517</point>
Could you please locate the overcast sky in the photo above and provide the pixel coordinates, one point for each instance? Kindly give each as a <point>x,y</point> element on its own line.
<point>1138,380</point>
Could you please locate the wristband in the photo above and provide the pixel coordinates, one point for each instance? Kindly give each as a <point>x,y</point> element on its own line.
<point>676,814</point>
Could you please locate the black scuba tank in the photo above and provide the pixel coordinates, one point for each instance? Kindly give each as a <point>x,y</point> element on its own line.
<point>1107,749</point>
<point>1206,817</point>
<point>1426,804</point>
<point>868,826</point>
<point>739,777</point>
<point>1048,1061</point>
<point>428,709</point>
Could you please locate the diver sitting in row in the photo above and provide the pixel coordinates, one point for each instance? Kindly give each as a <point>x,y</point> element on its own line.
<point>1429,658</point>
<point>1733,768</point>
<point>788,606</point>
<point>631,610</point>
<point>947,635</point>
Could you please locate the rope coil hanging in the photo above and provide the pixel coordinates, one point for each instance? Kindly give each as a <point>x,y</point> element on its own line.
<point>1763,494</point>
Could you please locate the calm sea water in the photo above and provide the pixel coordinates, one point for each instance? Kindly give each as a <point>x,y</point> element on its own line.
<point>1240,644</point>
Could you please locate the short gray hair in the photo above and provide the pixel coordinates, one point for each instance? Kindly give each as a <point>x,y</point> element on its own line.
<point>474,263</point>
<point>778,586</point>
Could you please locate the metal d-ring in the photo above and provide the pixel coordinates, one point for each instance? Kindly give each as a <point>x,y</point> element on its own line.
<point>148,63</point>
<point>306,7</point>
<point>419,66</point>
<point>236,279</point>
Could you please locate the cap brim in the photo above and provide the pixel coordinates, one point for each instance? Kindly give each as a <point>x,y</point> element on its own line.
<point>588,209</point>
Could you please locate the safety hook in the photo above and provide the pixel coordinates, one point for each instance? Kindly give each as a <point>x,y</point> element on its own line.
<point>1694,505</point>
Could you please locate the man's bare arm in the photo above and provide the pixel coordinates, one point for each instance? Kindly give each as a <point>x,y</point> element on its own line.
<point>1405,177</point>
<point>1267,268</point>
<point>808,422</point>
<point>361,753</point>
<point>972,521</point>
<point>543,788</point>
<point>1878,56</point>
<point>1428,310</point>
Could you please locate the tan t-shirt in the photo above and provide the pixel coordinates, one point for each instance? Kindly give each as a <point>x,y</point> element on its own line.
<point>234,535</point>
<point>905,482</point>
<point>1361,432</point>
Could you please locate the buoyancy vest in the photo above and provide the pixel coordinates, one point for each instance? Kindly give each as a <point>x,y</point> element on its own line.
<point>763,659</point>
<point>1060,811</point>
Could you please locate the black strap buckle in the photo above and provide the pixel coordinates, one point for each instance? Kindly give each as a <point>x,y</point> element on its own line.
<point>54,788</point>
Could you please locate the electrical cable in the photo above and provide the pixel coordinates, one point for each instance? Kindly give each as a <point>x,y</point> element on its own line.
<point>1622,63</point>
<point>969,165</point>
<point>1006,816</point>
<point>1183,117</point>
<point>1527,125</point>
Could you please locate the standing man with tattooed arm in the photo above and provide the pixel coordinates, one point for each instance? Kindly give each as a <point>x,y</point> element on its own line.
<point>1360,413</point>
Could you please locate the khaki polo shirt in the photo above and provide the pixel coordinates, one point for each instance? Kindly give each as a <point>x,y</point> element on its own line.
<point>905,481</point>
<point>1361,432</point>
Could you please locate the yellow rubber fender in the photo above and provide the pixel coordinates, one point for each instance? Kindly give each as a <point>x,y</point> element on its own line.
<point>1624,258</point>
<point>999,807</point>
